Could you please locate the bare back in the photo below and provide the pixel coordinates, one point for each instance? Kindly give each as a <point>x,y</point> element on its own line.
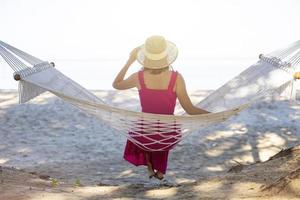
<point>158,81</point>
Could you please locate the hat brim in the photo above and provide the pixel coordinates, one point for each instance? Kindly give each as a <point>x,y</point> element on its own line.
<point>171,56</point>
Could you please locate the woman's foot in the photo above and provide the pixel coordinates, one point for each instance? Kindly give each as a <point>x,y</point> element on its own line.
<point>151,174</point>
<point>159,175</point>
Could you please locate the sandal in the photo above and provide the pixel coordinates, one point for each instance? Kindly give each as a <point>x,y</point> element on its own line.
<point>151,174</point>
<point>158,177</point>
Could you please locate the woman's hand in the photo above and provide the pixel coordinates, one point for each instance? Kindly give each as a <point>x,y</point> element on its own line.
<point>132,81</point>
<point>133,55</point>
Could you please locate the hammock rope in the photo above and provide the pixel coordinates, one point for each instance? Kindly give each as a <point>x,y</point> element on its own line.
<point>273,74</point>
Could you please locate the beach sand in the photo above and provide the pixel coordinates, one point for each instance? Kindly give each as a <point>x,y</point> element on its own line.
<point>51,150</point>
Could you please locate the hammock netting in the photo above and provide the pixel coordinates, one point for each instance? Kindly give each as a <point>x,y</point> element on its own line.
<point>272,75</point>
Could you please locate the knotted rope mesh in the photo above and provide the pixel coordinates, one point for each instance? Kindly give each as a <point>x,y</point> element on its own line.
<point>273,73</point>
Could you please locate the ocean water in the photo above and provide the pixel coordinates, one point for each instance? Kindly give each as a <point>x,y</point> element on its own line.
<point>99,74</point>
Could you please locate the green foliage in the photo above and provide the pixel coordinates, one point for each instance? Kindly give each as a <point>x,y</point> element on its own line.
<point>77,182</point>
<point>54,182</point>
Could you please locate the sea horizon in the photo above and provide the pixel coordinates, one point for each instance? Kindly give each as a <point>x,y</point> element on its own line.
<point>98,74</point>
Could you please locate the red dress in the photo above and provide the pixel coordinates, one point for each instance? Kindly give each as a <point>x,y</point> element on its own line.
<point>158,102</point>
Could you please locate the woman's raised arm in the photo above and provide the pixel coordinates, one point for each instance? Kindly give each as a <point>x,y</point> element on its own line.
<point>132,81</point>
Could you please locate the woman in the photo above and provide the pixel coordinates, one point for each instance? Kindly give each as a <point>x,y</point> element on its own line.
<point>158,87</point>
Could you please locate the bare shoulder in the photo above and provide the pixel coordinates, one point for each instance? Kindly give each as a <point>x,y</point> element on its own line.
<point>179,76</point>
<point>179,84</point>
<point>179,79</point>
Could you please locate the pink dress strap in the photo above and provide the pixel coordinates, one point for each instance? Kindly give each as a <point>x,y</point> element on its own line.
<point>141,79</point>
<point>172,81</point>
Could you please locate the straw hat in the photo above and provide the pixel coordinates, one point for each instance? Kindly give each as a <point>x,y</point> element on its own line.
<point>157,53</point>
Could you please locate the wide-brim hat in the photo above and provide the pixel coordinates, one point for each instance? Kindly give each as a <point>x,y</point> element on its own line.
<point>157,53</point>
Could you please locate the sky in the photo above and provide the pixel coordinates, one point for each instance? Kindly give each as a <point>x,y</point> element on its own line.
<point>91,39</point>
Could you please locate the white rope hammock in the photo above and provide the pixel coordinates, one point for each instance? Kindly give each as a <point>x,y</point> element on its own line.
<point>272,74</point>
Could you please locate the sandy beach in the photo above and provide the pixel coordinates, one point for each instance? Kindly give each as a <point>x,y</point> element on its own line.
<point>51,150</point>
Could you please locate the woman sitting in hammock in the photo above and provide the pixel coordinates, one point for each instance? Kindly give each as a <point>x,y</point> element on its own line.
<point>159,87</point>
